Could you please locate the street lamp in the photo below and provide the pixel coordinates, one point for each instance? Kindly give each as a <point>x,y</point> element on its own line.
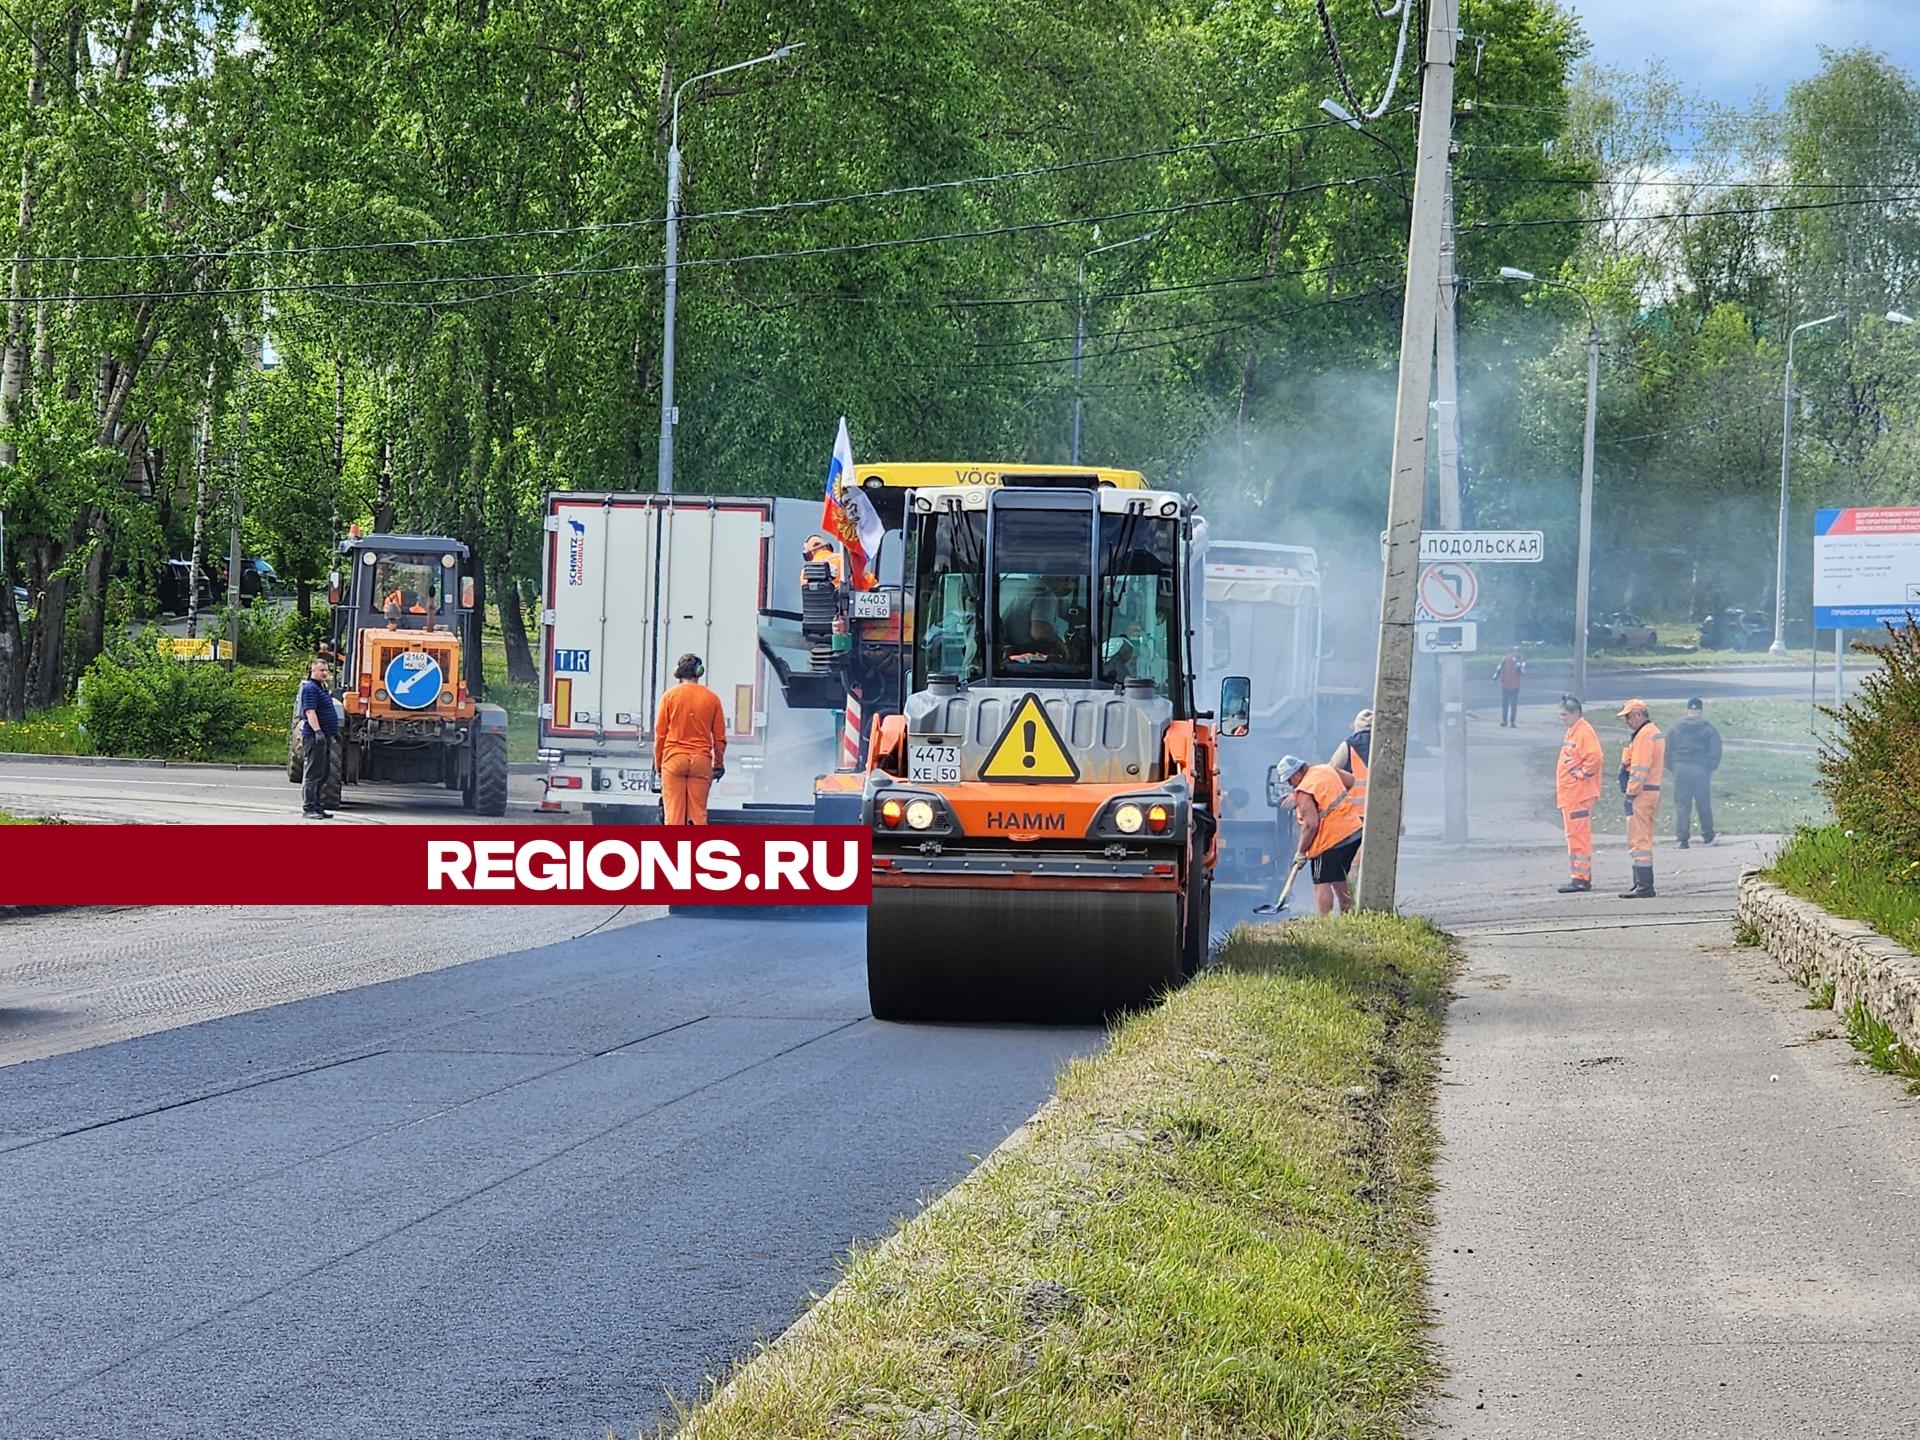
<point>1779,646</point>
<point>1337,111</point>
<point>1080,326</point>
<point>669,415</point>
<point>1583,577</point>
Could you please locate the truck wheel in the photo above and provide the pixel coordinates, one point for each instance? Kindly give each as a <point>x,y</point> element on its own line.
<point>490,772</point>
<point>336,773</point>
<point>296,762</point>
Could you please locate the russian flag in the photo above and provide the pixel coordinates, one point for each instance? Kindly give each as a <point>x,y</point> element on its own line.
<point>849,516</point>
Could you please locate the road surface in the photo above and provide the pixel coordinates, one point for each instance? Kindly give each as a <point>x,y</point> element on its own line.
<point>528,1196</point>
<point>224,794</point>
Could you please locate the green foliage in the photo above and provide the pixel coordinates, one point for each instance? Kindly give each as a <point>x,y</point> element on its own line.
<point>302,636</point>
<point>138,701</point>
<point>1876,1040</point>
<point>1868,767</point>
<point>1850,876</point>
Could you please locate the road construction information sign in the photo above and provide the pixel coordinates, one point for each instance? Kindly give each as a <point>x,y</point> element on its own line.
<point>1029,748</point>
<point>1866,567</point>
<point>1478,547</point>
<point>1447,591</point>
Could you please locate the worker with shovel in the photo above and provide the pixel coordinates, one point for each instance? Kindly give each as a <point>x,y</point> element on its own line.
<point>1330,832</point>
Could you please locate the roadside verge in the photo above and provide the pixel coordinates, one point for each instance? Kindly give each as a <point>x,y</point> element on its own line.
<point>1855,969</point>
<point>1212,1230</point>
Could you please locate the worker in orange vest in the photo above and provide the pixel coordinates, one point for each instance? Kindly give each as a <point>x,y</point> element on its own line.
<point>1576,789</point>
<point>1350,758</point>
<point>818,550</point>
<point>689,744</point>
<point>1642,765</point>
<point>1330,829</point>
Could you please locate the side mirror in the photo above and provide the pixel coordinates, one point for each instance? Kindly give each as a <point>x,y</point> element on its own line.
<point>1276,787</point>
<point>1236,706</point>
<point>333,587</point>
<point>466,592</point>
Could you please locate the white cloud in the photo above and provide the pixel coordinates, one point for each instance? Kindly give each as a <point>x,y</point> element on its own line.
<point>1729,49</point>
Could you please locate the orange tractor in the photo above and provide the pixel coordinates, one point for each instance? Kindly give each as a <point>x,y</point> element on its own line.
<point>1044,808</point>
<point>403,617</point>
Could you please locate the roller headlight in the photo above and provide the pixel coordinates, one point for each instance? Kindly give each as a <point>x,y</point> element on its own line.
<point>1127,819</point>
<point>919,814</point>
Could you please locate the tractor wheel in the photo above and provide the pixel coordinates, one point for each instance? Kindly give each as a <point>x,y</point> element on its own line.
<point>296,762</point>
<point>336,773</point>
<point>490,772</point>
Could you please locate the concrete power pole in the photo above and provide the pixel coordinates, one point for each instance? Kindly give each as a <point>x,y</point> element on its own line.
<point>1453,668</point>
<point>1393,672</point>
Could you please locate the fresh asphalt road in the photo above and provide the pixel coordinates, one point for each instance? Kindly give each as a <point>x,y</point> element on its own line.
<point>534,1195</point>
<point>220,794</point>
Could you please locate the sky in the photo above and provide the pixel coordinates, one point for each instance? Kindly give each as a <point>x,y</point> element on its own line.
<point>1729,50</point>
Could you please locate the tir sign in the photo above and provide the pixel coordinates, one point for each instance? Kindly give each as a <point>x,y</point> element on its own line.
<point>1029,748</point>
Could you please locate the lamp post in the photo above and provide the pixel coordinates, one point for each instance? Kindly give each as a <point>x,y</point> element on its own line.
<point>669,414</point>
<point>1779,646</point>
<point>1080,328</point>
<point>1335,110</point>
<point>1583,580</point>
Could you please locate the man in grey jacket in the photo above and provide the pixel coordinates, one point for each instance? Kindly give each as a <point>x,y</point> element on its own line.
<point>1693,754</point>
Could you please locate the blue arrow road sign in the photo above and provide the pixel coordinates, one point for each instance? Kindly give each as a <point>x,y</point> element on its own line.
<point>413,679</point>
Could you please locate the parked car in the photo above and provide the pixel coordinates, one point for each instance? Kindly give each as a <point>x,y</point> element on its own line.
<point>257,578</point>
<point>1622,630</point>
<point>174,591</point>
<point>1737,629</point>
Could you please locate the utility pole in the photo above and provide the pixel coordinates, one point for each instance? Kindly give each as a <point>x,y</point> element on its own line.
<point>1453,667</point>
<point>249,361</point>
<point>1393,671</point>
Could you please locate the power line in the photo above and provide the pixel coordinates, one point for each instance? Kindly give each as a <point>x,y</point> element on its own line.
<point>1687,214</point>
<point>349,287</point>
<point>739,213</point>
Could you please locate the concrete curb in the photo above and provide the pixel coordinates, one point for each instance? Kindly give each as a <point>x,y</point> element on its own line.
<point>518,767</point>
<point>1809,945</point>
<point>772,1355</point>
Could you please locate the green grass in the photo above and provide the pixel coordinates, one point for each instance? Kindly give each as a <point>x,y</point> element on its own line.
<point>1881,1047</point>
<point>1216,1230</point>
<point>521,702</point>
<point>57,731</point>
<point>1843,876</point>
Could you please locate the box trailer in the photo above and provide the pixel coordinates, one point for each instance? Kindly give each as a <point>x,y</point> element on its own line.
<point>1263,620</point>
<point>633,581</point>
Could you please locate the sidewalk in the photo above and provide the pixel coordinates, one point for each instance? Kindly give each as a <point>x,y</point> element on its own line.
<point>1664,1207</point>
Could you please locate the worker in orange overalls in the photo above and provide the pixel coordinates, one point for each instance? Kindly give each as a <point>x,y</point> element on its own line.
<point>818,550</point>
<point>1329,829</point>
<point>689,744</point>
<point>1576,789</point>
<point>1642,764</point>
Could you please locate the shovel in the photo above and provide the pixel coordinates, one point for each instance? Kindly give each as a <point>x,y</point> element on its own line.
<point>1275,907</point>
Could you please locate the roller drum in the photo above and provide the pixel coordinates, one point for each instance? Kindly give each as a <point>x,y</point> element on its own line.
<point>939,953</point>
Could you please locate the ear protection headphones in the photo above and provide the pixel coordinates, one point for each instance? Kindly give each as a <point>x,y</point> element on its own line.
<point>691,667</point>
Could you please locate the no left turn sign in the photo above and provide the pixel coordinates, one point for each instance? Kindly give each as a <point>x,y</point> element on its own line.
<point>1448,590</point>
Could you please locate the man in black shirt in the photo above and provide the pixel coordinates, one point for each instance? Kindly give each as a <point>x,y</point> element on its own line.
<point>1693,754</point>
<point>319,723</point>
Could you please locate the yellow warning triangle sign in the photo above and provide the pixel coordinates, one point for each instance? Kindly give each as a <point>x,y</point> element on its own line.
<point>1029,748</point>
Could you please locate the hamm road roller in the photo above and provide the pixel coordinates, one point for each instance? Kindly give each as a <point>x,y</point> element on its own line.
<point>1044,806</point>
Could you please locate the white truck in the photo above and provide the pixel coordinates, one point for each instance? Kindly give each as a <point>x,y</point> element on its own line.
<point>635,580</point>
<point>1263,620</point>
